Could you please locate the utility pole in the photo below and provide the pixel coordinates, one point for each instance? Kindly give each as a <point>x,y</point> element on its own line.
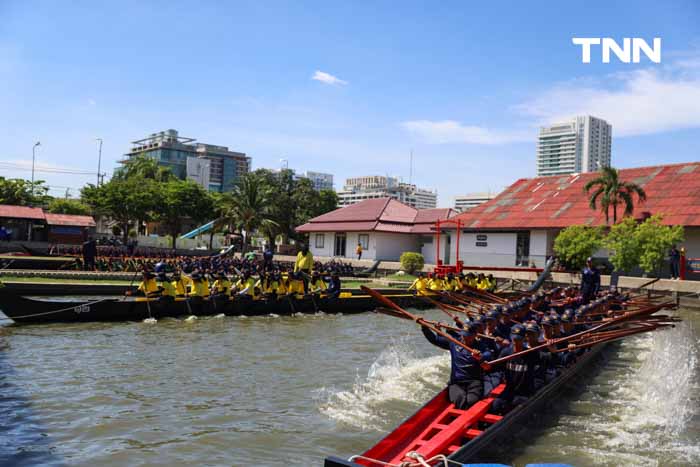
<point>33,160</point>
<point>99,161</point>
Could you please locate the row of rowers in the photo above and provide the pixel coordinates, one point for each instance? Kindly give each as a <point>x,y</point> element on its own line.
<point>266,285</point>
<point>510,328</point>
<point>451,283</point>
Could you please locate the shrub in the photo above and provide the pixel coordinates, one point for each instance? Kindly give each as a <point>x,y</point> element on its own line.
<point>412,262</point>
<point>576,243</point>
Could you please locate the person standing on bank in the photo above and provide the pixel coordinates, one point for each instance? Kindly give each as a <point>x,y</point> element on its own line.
<point>675,259</point>
<point>590,281</point>
<point>89,253</point>
<point>358,250</point>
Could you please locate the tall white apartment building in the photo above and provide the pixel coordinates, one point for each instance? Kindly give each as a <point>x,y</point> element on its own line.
<point>377,186</point>
<point>582,144</point>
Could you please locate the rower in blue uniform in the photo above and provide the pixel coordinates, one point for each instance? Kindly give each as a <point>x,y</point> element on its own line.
<point>466,385</point>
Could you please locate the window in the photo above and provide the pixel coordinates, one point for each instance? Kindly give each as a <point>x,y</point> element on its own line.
<point>320,240</point>
<point>363,239</point>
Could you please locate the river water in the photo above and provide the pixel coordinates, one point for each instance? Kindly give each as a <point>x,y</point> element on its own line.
<point>278,391</point>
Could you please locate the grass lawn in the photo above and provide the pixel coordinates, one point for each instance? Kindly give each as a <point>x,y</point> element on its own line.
<point>404,277</point>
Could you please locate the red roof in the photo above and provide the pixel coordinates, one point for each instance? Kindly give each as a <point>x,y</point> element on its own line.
<point>21,212</point>
<point>379,214</point>
<point>426,219</point>
<point>70,219</point>
<point>559,200</point>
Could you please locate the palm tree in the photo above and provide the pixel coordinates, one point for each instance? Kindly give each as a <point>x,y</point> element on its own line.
<point>247,207</point>
<point>145,167</point>
<point>611,192</point>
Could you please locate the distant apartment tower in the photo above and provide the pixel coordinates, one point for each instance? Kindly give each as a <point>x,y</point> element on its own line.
<point>377,186</point>
<point>582,144</point>
<point>471,200</point>
<point>321,181</point>
<point>214,167</point>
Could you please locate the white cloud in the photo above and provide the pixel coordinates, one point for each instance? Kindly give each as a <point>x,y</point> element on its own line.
<point>450,131</point>
<point>646,101</point>
<point>639,102</point>
<point>92,102</point>
<point>327,78</point>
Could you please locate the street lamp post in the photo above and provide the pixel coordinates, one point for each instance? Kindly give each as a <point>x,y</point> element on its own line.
<point>34,159</point>
<point>99,161</point>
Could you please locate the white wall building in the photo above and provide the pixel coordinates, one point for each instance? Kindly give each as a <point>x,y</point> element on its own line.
<point>321,181</point>
<point>582,144</point>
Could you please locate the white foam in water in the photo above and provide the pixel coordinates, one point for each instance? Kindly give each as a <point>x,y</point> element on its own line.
<point>645,415</point>
<point>397,374</point>
<point>219,316</point>
<point>191,318</point>
<point>273,315</point>
<point>150,321</point>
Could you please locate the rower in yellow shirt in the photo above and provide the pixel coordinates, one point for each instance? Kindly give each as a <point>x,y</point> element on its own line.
<point>420,285</point>
<point>481,282</point>
<point>246,286</point>
<point>297,285</point>
<point>166,288</point>
<point>148,286</point>
<point>435,283</point>
<point>179,284</point>
<point>317,284</point>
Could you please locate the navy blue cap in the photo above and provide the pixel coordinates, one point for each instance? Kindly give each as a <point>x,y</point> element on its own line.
<point>565,318</point>
<point>517,331</point>
<point>491,315</point>
<point>532,327</point>
<point>468,330</point>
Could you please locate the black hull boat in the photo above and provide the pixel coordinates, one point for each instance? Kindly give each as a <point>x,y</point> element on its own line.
<point>438,429</point>
<point>23,308</point>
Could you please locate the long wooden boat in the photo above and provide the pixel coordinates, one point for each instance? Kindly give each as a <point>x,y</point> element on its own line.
<point>438,428</point>
<point>23,308</point>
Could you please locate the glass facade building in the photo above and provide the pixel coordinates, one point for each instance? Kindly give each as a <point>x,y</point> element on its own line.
<point>171,150</point>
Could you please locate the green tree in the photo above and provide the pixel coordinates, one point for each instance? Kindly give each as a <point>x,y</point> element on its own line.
<point>68,206</point>
<point>576,243</point>
<point>623,243</point>
<point>179,200</point>
<point>126,201</point>
<point>142,166</point>
<point>19,192</point>
<point>609,191</point>
<point>655,240</point>
<point>248,207</point>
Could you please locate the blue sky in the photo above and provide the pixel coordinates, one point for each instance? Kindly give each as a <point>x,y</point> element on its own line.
<point>463,84</point>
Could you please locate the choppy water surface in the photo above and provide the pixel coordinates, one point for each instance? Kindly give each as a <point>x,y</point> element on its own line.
<point>288,391</point>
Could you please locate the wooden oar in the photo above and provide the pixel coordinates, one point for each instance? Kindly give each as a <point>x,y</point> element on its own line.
<point>418,319</point>
<point>445,307</point>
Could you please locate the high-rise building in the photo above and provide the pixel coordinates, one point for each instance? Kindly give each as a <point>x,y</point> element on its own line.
<point>321,181</point>
<point>582,144</point>
<point>471,200</point>
<point>377,186</point>
<point>214,167</point>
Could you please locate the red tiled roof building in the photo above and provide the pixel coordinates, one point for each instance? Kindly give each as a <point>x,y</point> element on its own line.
<point>383,226</point>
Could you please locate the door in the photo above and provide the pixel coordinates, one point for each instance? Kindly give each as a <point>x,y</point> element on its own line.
<point>339,249</point>
<point>522,249</point>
